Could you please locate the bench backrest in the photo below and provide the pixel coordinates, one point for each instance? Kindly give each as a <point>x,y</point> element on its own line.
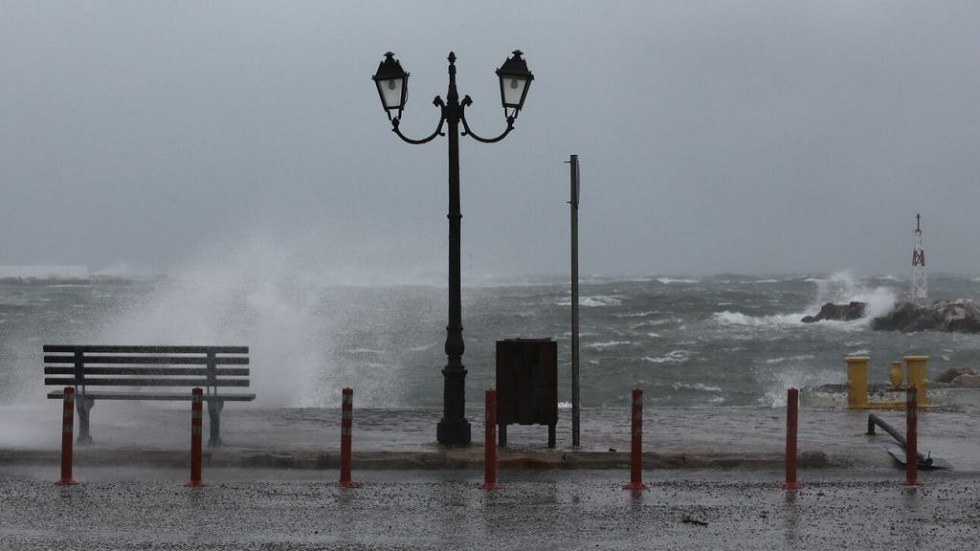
<point>160,366</point>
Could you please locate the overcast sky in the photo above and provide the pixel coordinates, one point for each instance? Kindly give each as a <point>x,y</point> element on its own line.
<point>714,136</point>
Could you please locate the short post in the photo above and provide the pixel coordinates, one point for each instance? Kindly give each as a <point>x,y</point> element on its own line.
<point>636,444</point>
<point>895,376</point>
<point>857,381</point>
<point>490,443</point>
<point>197,425</point>
<point>911,438</point>
<point>916,376</point>
<point>792,418</point>
<point>346,424</point>
<point>67,435</point>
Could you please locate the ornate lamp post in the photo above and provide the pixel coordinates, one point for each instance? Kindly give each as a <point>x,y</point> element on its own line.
<point>392,82</point>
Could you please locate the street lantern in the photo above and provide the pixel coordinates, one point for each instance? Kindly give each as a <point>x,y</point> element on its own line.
<point>515,79</point>
<point>392,82</point>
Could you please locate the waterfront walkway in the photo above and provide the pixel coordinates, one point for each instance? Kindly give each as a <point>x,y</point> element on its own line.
<point>689,438</point>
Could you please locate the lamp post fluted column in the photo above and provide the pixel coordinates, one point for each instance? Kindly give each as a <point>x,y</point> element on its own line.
<point>453,428</point>
<point>392,83</point>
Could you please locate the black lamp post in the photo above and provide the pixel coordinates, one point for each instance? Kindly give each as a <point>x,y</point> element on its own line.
<point>392,82</point>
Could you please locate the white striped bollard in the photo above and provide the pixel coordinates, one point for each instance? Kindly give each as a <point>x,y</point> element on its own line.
<point>67,434</point>
<point>636,444</point>
<point>490,443</point>
<point>346,425</point>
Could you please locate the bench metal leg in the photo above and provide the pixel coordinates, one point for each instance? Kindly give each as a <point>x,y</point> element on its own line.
<point>502,435</point>
<point>214,414</point>
<point>551,436</point>
<point>84,404</point>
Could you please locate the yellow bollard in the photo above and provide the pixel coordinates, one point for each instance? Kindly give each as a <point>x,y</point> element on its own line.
<point>895,376</point>
<point>857,381</point>
<point>917,377</point>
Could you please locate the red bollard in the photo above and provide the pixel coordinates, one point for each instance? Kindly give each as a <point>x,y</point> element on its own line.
<point>911,438</point>
<point>197,423</point>
<point>67,432</point>
<point>346,424</point>
<point>792,407</point>
<point>490,447</point>
<point>636,444</point>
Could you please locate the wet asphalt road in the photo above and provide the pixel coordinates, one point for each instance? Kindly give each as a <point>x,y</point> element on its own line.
<point>444,509</point>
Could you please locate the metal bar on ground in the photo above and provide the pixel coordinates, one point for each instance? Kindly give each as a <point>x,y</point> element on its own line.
<point>875,420</point>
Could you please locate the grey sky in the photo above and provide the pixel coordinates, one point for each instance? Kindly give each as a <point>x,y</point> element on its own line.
<point>715,136</point>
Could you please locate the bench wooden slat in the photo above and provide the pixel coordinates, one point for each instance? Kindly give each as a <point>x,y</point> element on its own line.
<point>147,360</point>
<point>132,368</point>
<point>159,371</point>
<point>123,349</point>
<point>134,381</point>
<point>59,394</point>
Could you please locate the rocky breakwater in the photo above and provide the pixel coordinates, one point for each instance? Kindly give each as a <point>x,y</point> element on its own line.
<point>953,316</point>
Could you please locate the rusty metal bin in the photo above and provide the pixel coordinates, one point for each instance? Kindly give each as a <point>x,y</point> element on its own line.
<point>527,385</point>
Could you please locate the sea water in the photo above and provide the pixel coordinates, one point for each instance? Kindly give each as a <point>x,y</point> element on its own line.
<point>723,340</point>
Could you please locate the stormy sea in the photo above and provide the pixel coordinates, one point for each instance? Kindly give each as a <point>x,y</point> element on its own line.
<point>723,340</point>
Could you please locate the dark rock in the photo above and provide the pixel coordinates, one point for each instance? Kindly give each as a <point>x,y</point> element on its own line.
<point>838,312</point>
<point>967,380</point>
<point>960,316</point>
<point>952,373</point>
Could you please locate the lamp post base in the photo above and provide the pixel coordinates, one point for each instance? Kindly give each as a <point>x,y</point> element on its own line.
<point>453,432</point>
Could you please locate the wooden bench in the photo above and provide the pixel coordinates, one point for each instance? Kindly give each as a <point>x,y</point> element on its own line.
<point>129,368</point>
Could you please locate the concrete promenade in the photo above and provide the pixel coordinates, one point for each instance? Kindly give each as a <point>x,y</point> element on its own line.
<point>713,475</point>
<point>154,434</point>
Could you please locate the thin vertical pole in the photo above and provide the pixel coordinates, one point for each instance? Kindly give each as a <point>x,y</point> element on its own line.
<point>197,424</point>
<point>490,444</point>
<point>576,397</point>
<point>346,428</point>
<point>67,435</point>
<point>636,444</point>
<point>792,417</point>
<point>453,428</point>
<point>911,438</point>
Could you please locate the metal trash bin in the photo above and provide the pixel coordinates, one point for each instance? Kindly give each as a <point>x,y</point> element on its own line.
<point>527,385</point>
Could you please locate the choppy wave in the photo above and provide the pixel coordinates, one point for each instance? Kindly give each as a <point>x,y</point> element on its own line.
<point>696,386</point>
<point>790,359</point>
<point>606,345</point>
<point>738,318</point>
<point>740,337</point>
<point>593,301</point>
<point>673,357</point>
<point>629,315</point>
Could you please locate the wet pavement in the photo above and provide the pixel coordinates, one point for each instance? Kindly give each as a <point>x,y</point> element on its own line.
<point>444,509</point>
<point>713,479</point>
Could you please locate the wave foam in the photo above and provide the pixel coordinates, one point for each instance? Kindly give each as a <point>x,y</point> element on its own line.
<point>592,302</point>
<point>696,386</point>
<point>673,357</point>
<point>607,344</point>
<point>738,318</point>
